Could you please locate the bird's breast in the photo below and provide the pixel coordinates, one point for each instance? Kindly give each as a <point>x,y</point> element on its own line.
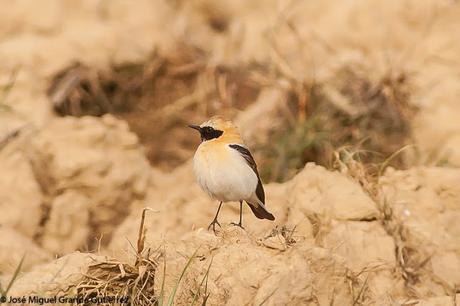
<point>223,173</point>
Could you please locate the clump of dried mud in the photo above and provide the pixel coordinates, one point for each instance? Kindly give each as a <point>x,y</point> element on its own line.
<point>351,112</point>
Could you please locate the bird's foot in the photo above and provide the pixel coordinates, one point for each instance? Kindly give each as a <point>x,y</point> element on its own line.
<point>213,225</point>
<point>237,224</point>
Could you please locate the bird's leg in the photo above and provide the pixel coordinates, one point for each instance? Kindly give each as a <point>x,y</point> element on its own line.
<point>240,224</point>
<point>214,222</point>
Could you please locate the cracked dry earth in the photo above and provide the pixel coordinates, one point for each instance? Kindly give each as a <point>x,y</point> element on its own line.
<point>72,190</point>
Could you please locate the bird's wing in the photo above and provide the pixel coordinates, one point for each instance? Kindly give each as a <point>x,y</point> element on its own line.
<point>250,160</point>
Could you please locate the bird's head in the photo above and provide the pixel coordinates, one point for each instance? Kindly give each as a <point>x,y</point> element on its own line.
<point>216,127</point>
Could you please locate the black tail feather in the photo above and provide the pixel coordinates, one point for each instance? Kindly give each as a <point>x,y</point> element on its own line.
<point>260,212</point>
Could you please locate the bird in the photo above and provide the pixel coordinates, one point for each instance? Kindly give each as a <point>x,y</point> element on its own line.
<point>226,170</point>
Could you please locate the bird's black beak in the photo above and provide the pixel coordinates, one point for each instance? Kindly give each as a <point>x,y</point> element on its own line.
<point>196,127</point>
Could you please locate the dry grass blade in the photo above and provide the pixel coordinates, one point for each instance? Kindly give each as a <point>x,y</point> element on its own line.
<point>13,278</point>
<point>162,290</point>
<point>9,136</point>
<point>198,293</point>
<point>360,293</point>
<point>64,87</point>
<point>142,232</point>
<point>384,165</point>
<point>6,89</point>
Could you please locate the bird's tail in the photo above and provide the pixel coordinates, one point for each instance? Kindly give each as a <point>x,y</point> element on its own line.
<point>261,212</point>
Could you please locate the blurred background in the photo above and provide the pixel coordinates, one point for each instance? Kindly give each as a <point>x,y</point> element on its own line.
<point>95,97</point>
<point>310,78</point>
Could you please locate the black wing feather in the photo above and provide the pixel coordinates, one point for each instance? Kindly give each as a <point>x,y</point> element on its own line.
<point>250,160</point>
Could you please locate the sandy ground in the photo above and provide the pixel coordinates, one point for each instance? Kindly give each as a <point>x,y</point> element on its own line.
<point>72,190</point>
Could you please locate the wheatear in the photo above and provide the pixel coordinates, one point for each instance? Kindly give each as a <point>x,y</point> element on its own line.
<point>225,169</point>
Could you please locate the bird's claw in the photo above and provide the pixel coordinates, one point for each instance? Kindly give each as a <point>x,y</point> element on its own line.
<point>237,224</point>
<point>213,225</point>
